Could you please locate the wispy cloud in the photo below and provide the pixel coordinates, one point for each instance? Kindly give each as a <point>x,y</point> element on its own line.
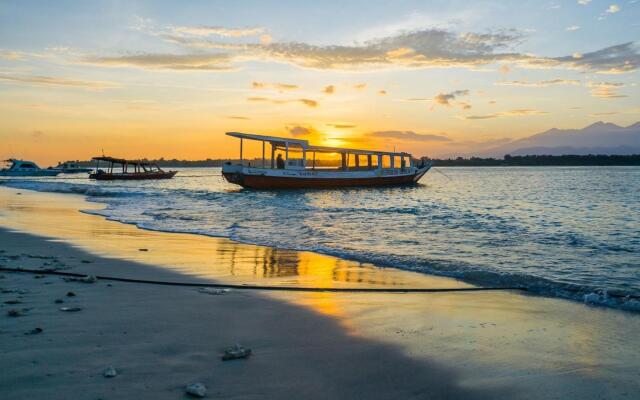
<point>56,81</point>
<point>278,86</point>
<point>584,2</point>
<point>299,130</point>
<point>329,89</point>
<point>545,83</point>
<point>237,117</point>
<point>606,90</point>
<point>510,113</point>
<point>341,126</point>
<point>572,28</point>
<point>306,102</point>
<point>11,55</point>
<point>218,31</point>
<point>206,62</point>
<point>610,60</point>
<point>409,136</point>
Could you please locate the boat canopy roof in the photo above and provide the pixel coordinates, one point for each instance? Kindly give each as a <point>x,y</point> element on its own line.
<point>304,144</point>
<point>120,160</point>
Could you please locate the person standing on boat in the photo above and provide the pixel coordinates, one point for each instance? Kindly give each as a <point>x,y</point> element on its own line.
<point>279,162</point>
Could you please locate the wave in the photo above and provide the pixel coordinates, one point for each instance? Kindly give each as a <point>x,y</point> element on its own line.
<point>311,225</point>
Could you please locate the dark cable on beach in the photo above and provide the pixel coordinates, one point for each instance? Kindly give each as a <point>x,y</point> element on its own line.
<point>261,287</point>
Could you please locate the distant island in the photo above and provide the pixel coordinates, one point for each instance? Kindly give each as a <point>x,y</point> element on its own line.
<point>506,161</point>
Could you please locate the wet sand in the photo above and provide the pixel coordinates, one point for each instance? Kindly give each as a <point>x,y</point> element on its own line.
<point>306,345</point>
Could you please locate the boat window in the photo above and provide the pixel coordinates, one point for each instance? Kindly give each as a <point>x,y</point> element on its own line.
<point>386,161</point>
<point>397,162</point>
<point>27,166</point>
<point>374,161</point>
<point>325,160</point>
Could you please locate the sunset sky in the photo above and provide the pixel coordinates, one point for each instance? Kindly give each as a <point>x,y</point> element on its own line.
<point>438,78</point>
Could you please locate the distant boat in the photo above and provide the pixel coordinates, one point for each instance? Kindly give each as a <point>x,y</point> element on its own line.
<point>129,170</point>
<point>357,167</point>
<point>71,167</point>
<point>25,168</point>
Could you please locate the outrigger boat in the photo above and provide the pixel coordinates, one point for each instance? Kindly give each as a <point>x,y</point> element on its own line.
<point>356,167</point>
<point>130,170</point>
<point>25,168</point>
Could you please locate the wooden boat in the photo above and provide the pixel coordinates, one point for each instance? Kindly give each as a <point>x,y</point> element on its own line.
<point>129,170</point>
<point>25,168</point>
<point>355,167</point>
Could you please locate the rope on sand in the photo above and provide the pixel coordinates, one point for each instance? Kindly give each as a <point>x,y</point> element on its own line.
<point>261,287</point>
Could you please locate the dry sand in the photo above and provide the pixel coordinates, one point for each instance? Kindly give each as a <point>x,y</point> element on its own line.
<point>305,345</point>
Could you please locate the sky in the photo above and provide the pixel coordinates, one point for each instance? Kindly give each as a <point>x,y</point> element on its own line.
<point>438,78</point>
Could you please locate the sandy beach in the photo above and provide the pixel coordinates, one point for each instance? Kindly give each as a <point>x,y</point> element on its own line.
<point>305,345</point>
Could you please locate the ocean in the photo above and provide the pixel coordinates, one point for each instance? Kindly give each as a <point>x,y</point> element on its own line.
<point>570,232</point>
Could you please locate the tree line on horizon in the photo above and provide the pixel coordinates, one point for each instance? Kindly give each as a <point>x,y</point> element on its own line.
<point>506,161</point>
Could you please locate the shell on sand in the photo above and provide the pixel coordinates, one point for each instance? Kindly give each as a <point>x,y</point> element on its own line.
<point>196,389</point>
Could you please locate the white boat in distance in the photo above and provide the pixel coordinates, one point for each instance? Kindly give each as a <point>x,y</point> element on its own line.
<point>26,168</point>
<point>357,167</point>
<point>71,167</point>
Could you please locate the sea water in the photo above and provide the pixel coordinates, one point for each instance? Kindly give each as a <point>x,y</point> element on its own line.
<point>571,232</point>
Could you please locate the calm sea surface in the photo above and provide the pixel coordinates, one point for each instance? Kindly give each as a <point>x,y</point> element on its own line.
<point>567,232</point>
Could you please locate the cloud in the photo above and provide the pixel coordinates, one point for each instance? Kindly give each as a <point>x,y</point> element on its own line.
<point>60,82</point>
<point>572,28</point>
<point>237,117</point>
<point>613,8</point>
<point>341,126</point>
<point>11,55</point>
<point>427,48</point>
<point>306,102</point>
<point>329,89</point>
<point>205,62</point>
<point>360,86</point>
<point>298,130</point>
<point>409,136</point>
<point>217,30</point>
<point>545,83</point>
<point>37,135</point>
<point>603,114</point>
<point>511,113</point>
<point>279,86</point>
<point>610,60</point>
<point>382,92</point>
<point>446,98</point>
<point>584,2</point>
<point>605,90</point>
<point>417,99</point>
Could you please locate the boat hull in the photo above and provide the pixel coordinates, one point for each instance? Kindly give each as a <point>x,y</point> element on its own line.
<point>268,182</point>
<point>44,172</point>
<point>133,176</point>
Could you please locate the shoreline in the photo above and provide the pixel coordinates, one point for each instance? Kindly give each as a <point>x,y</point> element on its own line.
<point>498,345</point>
<point>533,285</point>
